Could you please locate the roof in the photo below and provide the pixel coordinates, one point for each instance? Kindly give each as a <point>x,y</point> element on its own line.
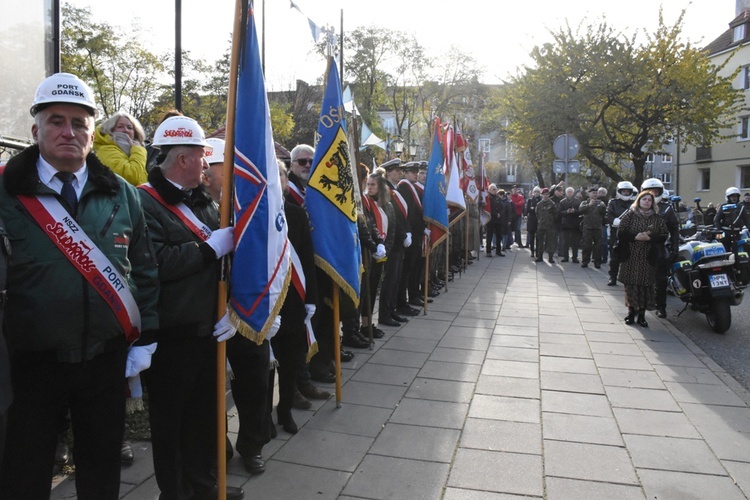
<point>726,39</point>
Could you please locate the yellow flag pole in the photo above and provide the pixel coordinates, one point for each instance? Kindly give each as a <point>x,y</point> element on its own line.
<point>225,208</point>
<point>337,341</point>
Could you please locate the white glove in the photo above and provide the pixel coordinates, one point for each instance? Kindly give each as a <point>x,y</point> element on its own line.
<point>310,309</point>
<point>222,241</point>
<point>407,240</point>
<point>224,329</point>
<point>139,359</point>
<point>427,232</point>
<point>616,222</point>
<point>380,252</point>
<point>274,328</point>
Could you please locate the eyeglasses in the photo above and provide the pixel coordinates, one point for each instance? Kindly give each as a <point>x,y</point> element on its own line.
<point>303,161</point>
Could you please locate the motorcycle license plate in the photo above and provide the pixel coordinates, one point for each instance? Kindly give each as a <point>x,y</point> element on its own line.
<point>718,280</point>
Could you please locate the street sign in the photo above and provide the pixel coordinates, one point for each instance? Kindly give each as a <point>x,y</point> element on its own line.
<point>574,166</point>
<point>565,147</point>
<point>559,166</point>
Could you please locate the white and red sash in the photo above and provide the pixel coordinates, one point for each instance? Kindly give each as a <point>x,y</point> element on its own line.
<point>400,202</point>
<point>420,188</point>
<point>300,284</point>
<point>193,223</point>
<point>296,193</point>
<point>87,258</point>
<point>413,189</point>
<point>381,220</point>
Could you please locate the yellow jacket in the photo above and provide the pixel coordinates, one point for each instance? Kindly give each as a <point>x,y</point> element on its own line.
<point>132,168</point>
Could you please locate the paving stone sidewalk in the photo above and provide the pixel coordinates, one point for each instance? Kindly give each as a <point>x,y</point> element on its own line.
<point>521,380</point>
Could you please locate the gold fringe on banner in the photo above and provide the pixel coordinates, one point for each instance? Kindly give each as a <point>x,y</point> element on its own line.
<point>246,330</point>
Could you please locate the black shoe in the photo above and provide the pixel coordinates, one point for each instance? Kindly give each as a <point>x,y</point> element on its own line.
<point>584,265</point>
<point>354,340</point>
<point>254,465</point>
<point>233,493</point>
<point>551,260</point>
<point>126,454</point>
<point>325,378</point>
<point>62,452</point>
<point>489,254</point>
<point>377,333</point>
<point>286,421</point>
<point>564,260</point>
<point>433,293</point>
<point>642,322</point>
<point>300,402</point>
<point>539,260</point>
<point>576,261</point>
<point>347,356</point>
<point>612,282</point>
<point>629,319</point>
<point>500,254</point>
<point>416,302</point>
<point>399,318</point>
<point>388,322</point>
<point>309,391</point>
<point>661,313</point>
<point>407,310</point>
<point>598,266</point>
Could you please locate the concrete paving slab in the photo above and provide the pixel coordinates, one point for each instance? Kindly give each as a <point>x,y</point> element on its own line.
<point>505,408</point>
<point>621,338</point>
<point>441,390</point>
<point>283,481</point>
<point>726,429</point>
<point>591,462</point>
<point>740,473</point>
<point>621,349</point>
<point>646,379</point>
<point>414,345</point>
<point>383,374</point>
<point>330,450</point>
<point>674,359</point>
<point>428,413</point>
<point>665,346</point>
<point>672,454</point>
<point>561,338</point>
<point>395,357</point>
<point>470,331</point>
<point>505,368</point>
<point>442,354</point>
<point>530,330</point>
<point>577,404</point>
<point>624,362</point>
<point>463,494</point>
<point>687,374</point>
<point>655,423</point>
<point>704,394</point>
<point>508,386</point>
<point>501,435</point>
<point>572,382</point>
<point>680,485</point>
<point>465,343</point>
<point>397,478</point>
<point>567,365</point>
<point>461,372</point>
<point>474,322</point>
<point>643,399</point>
<point>358,420</point>
<point>558,488</point>
<point>581,429</point>
<point>565,350</point>
<point>513,354</point>
<point>605,323</point>
<point>507,340</point>
<point>418,443</point>
<point>497,472</point>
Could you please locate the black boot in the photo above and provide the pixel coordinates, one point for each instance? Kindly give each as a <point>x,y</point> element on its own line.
<point>630,318</point>
<point>642,318</point>
<point>286,421</point>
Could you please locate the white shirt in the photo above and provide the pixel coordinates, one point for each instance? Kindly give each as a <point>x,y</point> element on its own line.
<point>47,176</point>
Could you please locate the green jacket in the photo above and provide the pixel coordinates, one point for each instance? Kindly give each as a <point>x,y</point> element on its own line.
<point>51,307</point>
<point>593,213</point>
<point>188,268</point>
<point>546,214</point>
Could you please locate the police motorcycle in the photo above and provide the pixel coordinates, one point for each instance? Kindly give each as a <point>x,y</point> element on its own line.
<point>708,276</point>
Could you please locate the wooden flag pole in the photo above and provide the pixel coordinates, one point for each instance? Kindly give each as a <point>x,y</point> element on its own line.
<point>427,277</point>
<point>225,209</point>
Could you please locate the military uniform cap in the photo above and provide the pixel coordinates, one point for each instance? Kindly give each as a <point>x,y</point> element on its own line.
<point>593,189</point>
<point>422,165</point>
<point>412,166</point>
<point>391,164</point>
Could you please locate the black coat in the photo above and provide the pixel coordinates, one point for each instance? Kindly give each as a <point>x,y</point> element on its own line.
<point>301,240</point>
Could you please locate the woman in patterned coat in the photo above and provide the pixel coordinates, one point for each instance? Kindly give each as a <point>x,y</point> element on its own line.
<point>641,236</point>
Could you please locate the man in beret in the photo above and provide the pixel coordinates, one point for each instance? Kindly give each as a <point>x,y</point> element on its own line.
<point>593,211</point>
<point>546,213</point>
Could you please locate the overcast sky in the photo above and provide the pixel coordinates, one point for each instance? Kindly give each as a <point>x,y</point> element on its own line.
<point>498,33</point>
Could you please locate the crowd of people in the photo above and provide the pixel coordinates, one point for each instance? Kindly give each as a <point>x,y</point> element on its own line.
<point>117,253</point>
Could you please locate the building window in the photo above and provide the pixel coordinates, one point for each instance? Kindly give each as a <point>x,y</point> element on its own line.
<point>744,129</point>
<point>666,158</point>
<point>665,178</point>
<point>484,145</point>
<point>704,179</point>
<point>739,33</point>
<point>745,76</point>
<point>649,157</point>
<point>745,177</point>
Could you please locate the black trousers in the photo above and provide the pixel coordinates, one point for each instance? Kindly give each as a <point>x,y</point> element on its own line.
<point>289,348</point>
<point>182,412</point>
<point>495,230</point>
<point>614,260</point>
<point>376,272</point>
<point>572,241</point>
<point>660,285</point>
<point>250,393</point>
<point>323,325</point>
<point>409,283</point>
<point>391,280</point>
<point>43,388</point>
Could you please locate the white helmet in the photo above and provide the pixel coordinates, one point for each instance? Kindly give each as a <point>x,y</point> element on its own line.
<point>63,88</point>
<point>625,186</point>
<point>215,151</point>
<point>731,191</point>
<point>666,194</point>
<point>655,185</point>
<point>179,131</point>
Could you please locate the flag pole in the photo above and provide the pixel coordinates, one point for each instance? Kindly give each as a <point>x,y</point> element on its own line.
<point>225,208</point>
<point>427,277</point>
<point>337,341</point>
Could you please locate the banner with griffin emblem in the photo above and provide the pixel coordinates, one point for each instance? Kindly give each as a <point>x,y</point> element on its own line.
<point>435,189</point>
<point>330,197</point>
<point>261,267</point>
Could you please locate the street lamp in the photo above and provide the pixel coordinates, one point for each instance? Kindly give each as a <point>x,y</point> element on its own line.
<point>412,149</point>
<point>398,145</point>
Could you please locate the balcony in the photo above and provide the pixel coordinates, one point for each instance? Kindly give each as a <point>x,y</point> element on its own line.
<point>703,153</point>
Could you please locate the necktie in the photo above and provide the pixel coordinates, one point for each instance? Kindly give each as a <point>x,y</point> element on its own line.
<point>68,191</point>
